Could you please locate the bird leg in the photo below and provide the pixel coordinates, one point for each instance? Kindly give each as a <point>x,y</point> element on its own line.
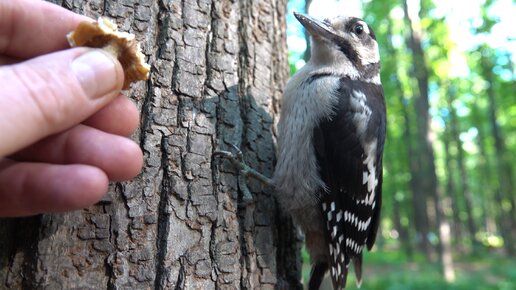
<point>244,171</point>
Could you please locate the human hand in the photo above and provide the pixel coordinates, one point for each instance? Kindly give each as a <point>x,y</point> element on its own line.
<point>63,120</point>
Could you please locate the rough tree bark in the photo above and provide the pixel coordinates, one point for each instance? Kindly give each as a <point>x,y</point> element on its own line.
<point>218,68</point>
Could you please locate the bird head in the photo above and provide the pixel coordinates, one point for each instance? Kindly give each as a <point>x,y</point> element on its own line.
<point>343,43</point>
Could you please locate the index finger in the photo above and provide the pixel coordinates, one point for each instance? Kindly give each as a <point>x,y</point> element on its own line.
<point>29,28</point>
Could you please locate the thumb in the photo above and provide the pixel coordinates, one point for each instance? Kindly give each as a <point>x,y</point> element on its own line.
<point>51,93</point>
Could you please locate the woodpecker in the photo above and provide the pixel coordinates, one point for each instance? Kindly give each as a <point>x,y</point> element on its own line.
<point>331,136</point>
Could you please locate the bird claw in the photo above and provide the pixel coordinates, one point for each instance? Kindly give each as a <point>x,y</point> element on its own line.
<point>237,160</point>
<point>247,196</point>
<point>239,154</point>
<point>244,171</point>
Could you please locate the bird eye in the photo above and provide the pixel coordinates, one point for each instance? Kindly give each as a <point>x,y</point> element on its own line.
<point>358,29</point>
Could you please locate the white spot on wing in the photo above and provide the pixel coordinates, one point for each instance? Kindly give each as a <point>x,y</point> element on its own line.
<point>361,116</point>
<point>339,215</point>
<point>369,176</point>
<point>361,112</point>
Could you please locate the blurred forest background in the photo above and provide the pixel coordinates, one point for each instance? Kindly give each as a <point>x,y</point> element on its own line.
<point>448,70</point>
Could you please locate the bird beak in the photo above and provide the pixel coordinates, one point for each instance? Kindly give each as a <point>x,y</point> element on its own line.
<point>316,27</point>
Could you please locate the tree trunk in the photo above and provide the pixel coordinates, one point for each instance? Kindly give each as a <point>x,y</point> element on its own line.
<point>450,189</point>
<point>403,230</point>
<point>400,209</point>
<point>503,193</point>
<point>308,50</point>
<point>485,171</point>
<point>464,184</point>
<point>426,170</point>
<point>218,68</point>
<point>419,201</point>
<point>416,151</point>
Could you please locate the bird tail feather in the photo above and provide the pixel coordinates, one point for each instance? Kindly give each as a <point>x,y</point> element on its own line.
<point>317,275</point>
<point>357,265</point>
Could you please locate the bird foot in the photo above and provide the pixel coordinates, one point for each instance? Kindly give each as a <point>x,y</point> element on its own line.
<point>244,171</point>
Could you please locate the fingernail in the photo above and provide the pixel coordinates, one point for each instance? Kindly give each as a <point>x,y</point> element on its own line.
<point>96,72</point>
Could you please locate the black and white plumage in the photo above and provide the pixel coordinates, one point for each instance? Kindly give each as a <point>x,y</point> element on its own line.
<point>330,139</point>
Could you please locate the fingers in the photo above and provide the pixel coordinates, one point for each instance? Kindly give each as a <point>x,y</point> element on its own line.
<point>29,28</point>
<point>120,117</point>
<point>8,60</point>
<point>117,156</point>
<point>36,188</point>
<point>51,93</point>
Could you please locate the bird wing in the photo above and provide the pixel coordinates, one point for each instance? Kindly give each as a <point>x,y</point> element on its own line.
<point>349,146</point>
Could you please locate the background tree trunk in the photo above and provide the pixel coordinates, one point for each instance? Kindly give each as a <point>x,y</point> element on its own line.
<point>419,173</point>
<point>451,190</point>
<point>426,171</point>
<point>503,193</point>
<point>218,68</point>
<point>308,50</point>
<point>461,164</point>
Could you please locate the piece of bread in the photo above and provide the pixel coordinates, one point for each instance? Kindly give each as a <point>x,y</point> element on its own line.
<point>103,34</point>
